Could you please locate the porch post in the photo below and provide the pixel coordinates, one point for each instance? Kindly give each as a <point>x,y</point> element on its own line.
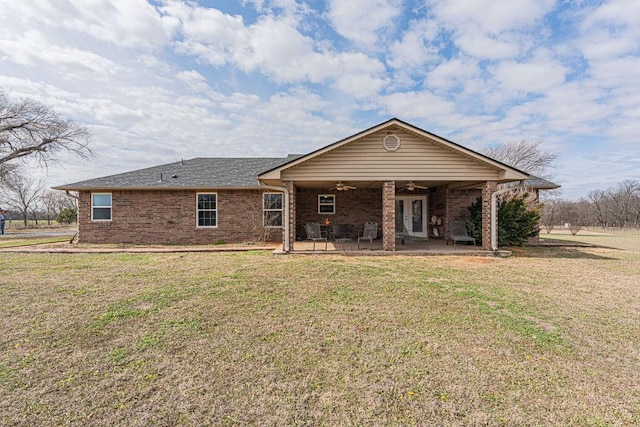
<point>291,188</point>
<point>488,189</point>
<point>389,216</point>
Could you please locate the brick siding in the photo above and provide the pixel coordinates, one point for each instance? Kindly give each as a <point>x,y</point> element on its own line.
<point>169,217</point>
<point>352,207</point>
<point>457,206</point>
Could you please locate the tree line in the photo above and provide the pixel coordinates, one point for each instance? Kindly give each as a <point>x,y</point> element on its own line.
<point>617,206</point>
<point>30,130</point>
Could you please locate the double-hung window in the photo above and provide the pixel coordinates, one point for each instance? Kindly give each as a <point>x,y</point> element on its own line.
<point>326,204</point>
<point>207,207</point>
<point>272,209</point>
<point>100,206</point>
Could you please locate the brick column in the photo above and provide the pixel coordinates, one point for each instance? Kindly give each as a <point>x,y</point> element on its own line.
<point>488,189</point>
<point>389,216</point>
<point>292,214</point>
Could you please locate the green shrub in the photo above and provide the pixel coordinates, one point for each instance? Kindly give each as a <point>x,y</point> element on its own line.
<point>67,216</point>
<point>516,221</point>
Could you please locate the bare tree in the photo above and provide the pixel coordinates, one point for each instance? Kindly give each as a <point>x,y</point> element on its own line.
<point>549,215</point>
<point>54,202</point>
<point>528,156</point>
<point>31,129</point>
<point>572,215</point>
<point>623,198</point>
<point>22,193</point>
<point>601,207</point>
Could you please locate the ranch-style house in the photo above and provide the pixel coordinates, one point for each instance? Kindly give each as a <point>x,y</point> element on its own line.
<point>394,174</point>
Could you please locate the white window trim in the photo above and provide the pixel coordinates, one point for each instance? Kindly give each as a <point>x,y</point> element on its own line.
<point>327,204</point>
<point>281,210</point>
<point>198,210</point>
<point>103,207</point>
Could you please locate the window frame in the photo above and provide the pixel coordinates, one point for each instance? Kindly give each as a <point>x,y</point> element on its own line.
<point>94,207</point>
<point>333,204</point>
<point>198,210</point>
<point>265,209</point>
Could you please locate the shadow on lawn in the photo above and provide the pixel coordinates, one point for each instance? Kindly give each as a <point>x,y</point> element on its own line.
<point>571,252</point>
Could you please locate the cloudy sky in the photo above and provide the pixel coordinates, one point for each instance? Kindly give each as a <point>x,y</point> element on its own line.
<point>160,80</point>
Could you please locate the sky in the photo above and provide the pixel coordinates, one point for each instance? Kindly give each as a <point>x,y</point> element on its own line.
<point>156,81</point>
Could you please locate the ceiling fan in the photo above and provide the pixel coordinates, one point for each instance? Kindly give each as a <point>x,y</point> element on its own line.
<point>341,186</point>
<point>411,186</point>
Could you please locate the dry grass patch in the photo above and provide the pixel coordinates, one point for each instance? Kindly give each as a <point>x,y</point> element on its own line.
<point>249,338</point>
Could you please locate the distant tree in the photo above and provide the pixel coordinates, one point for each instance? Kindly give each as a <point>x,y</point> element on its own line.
<point>549,215</point>
<point>31,129</point>
<point>600,207</point>
<point>54,202</point>
<point>528,156</point>
<point>624,199</point>
<point>572,214</point>
<point>22,193</point>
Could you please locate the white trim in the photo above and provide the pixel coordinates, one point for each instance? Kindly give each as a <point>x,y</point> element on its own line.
<point>206,210</point>
<point>425,209</point>
<point>102,207</point>
<point>287,245</point>
<point>264,210</point>
<point>327,204</point>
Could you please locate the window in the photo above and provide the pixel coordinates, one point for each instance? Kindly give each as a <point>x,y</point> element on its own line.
<point>101,207</point>
<point>326,204</point>
<point>207,210</point>
<point>272,208</point>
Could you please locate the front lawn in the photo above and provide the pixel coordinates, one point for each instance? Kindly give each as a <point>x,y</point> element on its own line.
<point>551,336</point>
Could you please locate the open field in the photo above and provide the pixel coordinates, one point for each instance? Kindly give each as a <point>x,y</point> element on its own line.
<point>550,336</point>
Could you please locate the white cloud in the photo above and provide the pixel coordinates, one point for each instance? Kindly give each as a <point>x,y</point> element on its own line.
<point>121,22</point>
<point>457,72</point>
<point>361,20</point>
<point>423,105</point>
<point>193,79</point>
<point>542,73</point>
<point>33,49</point>
<point>415,48</point>
<point>491,29</point>
<point>492,16</point>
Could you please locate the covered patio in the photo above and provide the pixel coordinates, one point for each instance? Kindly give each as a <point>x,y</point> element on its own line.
<point>395,175</point>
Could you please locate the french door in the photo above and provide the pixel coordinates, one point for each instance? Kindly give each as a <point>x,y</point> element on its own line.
<point>412,211</point>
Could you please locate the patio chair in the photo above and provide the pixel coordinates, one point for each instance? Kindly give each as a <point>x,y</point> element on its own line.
<point>459,233</point>
<point>315,234</point>
<point>369,233</point>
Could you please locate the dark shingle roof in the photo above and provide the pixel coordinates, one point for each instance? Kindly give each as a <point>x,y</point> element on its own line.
<point>193,173</point>
<point>535,183</point>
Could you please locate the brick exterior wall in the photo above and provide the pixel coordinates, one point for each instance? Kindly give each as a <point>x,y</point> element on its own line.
<point>169,217</point>
<point>457,203</point>
<point>389,216</point>
<point>352,207</point>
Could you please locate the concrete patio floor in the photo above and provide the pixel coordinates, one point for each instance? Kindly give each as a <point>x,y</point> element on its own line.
<point>411,247</point>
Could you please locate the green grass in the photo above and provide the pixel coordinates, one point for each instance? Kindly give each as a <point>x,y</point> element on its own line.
<point>548,337</point>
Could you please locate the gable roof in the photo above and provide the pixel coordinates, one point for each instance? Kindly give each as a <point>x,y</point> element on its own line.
<point>245,173</point>
<point>513,173</point>
<point>198,173</point>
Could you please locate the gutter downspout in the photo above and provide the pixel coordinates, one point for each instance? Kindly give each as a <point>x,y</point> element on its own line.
<point>494,213</point>
<point>286,246</point>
